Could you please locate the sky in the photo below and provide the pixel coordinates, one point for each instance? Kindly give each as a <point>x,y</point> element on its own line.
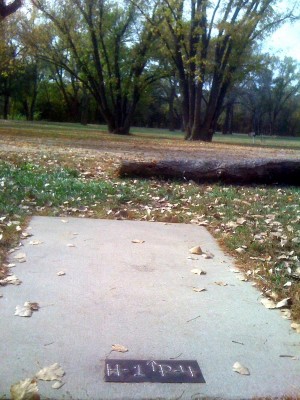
<point>285,41</point>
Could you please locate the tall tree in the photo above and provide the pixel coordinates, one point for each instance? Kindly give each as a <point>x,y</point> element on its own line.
<point>105,46</point>
<point>7,9</point>
<point>208,42</point>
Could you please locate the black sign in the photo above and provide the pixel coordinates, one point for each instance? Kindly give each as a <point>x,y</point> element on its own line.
<point>165,371</point>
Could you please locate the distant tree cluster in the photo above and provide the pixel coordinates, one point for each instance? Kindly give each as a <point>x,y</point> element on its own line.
<point>191,65</point>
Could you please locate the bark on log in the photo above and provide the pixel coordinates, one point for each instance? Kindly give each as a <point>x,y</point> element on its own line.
<point>250,171</point>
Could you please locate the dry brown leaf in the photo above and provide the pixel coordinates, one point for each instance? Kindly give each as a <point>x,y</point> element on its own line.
<point>119,348</point>
<point>268,303</point>
<point>296,326</point>
<point>196,250</point>
<point>138,241</point>
<point>285,303</point>
<point>286,314</point>
<point>198,290</point>
<point>220,283</point>
<point>207,255</point>
<point>52,373</point>
<point>241,221</point>
<point>10,280</point>
<point>25,390</point>
<point>20,257</point>
<point>197,271</point>
<point>240,369</point>
<point>35,242</point>
<point>240,250</point>
<point>23,311</point>
<point>57,385</point>
<point>33,306</point>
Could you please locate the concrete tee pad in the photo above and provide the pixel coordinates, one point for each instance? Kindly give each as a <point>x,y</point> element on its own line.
<point>139,295</point>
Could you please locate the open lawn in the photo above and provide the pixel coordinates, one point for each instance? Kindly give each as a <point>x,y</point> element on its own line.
<point>67,169</point>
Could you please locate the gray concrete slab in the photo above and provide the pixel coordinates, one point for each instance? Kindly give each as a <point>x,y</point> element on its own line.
<point>140,296</point>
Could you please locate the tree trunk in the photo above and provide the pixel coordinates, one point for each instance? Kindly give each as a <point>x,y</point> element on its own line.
<point>256,171</point>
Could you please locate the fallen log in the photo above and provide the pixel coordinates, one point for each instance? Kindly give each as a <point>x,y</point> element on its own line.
<point>249,171</point>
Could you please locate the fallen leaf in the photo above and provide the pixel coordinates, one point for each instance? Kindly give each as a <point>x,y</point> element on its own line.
<point>25,235</point>
<point>61,273</point>
<point>119,348</point>
<point>288,284</point>
<point>137,241</point>
<point>240,369</point>
<point>10,280</point>
<point>52,373</point>
<point>25,390</point>
<point>235,271</point>
<point>286,314</point>
<point>64,221</point>
<point>207,255</point>
<point>268,303</point>
<point>20,257</point>
<point>197,271</point>
<point>241,221</point>
<point>23,311</point>
<point>57,385</point>
<point>71,245</point>
<point>220,283</point>
<point>33,306</point>
<point>240,250</point>
<point>196,250</point>
<point>296,326</point>
<point>198,290</point>
<point>285,303</point>
<point>11,265</point>
<point>35,242</point>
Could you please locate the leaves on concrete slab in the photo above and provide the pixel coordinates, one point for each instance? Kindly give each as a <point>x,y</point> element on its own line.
<point>53,372</point>
<point>207,255</point>
<point>240,369</point>
<point>10,280</point>
<point>198,271</point>
<point>25,390</point>
<point>198,290</point>
<point>196,250</point>
<point>221,283</point>
<point>23,311</point>
<point>35,242</point>
<point>285,303</point>
<point>27,309</point>
<point>137,241</point>
<point>119,348</point>
<point>296,327</point>
<point>57,385</point>
<point>268,303</point>
<point>20,257</point>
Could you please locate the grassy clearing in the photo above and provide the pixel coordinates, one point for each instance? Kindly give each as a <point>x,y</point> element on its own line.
<point>260,226</point>
<point>99,132</point>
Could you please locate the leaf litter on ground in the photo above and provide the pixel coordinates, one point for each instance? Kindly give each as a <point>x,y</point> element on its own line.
<point>119,348</point>
<point>25,390</point>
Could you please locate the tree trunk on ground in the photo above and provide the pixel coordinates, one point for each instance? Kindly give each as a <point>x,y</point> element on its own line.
<point>257,171</point>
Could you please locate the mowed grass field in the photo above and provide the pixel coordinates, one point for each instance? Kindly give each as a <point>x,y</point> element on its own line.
<point>69,170</point>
